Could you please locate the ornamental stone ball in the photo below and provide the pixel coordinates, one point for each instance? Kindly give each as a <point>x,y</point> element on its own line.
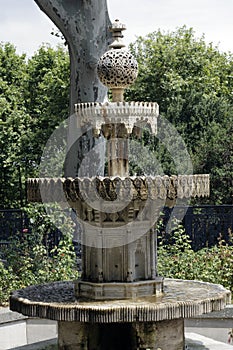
<point>117,68</point>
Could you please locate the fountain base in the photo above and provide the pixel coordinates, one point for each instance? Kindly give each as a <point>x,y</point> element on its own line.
<point>167,334</point>
<point>118,290</point>
<point>153,322</point>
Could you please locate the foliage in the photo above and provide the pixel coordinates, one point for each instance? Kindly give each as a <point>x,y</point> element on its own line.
<point>33,101</point>
<point>46,95</point>
<point>13,119</point>
<point>192,82</point>
<point>176,259</point>
<point>32,259</point>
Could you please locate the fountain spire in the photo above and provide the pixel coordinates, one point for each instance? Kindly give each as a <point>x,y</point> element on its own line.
<point>117,68</point>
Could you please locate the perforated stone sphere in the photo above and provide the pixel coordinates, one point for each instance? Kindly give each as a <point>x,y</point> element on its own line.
<point>117,68</point>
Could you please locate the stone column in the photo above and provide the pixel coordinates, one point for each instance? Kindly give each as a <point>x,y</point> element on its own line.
<point>161,335</point>
<point>153,253</point>
<point>118,164</point>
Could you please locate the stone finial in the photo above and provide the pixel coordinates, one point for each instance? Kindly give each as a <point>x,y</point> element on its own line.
<point>116,29</point>
<point>117,68</point>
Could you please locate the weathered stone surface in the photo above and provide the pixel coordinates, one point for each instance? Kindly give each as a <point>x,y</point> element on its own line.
<point>120,261</point>
<point>117,68</point>
<point>118,290</point>
<point>160,335</point>
<point>131,336</point>
<point>112,188</point>
<point>130,114</point>
<point>181,299</point>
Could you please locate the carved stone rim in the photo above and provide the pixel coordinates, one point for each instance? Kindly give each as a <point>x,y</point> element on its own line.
<point>131,114</point>
<point>110,188</point>
<point>181,299</point>
<point>117,108</point>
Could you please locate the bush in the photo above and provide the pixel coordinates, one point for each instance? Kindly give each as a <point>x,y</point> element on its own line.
<point>176,259</point>
<point>30,259</point>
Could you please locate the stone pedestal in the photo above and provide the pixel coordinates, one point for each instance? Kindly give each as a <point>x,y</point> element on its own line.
<point>124,336</point>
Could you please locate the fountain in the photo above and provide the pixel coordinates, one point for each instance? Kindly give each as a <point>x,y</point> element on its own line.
<point>120,302</point>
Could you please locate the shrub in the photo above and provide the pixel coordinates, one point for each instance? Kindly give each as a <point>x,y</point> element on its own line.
<point>30,259</point>
<point>176,259</point>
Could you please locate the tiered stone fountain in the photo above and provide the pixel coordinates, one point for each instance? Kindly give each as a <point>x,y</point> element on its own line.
<point>120,302</point>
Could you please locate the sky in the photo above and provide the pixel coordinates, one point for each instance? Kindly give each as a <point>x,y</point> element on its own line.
<point>23,24</point>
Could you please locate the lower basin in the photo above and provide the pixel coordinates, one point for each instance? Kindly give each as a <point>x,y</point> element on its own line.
<point>181,299</point>
<point>154,322</point>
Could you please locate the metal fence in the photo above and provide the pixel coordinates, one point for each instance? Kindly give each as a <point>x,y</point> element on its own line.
<point>11,222</point>
<point>204,224</point>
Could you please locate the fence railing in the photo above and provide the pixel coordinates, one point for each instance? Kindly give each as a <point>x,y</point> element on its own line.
<point>11,222</point>
<point>204,224</point>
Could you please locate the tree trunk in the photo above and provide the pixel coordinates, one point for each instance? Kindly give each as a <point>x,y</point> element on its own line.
<point>85,26</point>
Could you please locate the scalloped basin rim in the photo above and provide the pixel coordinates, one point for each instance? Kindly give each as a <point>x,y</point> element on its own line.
<point>181,299</point>
<point>110,188</point>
